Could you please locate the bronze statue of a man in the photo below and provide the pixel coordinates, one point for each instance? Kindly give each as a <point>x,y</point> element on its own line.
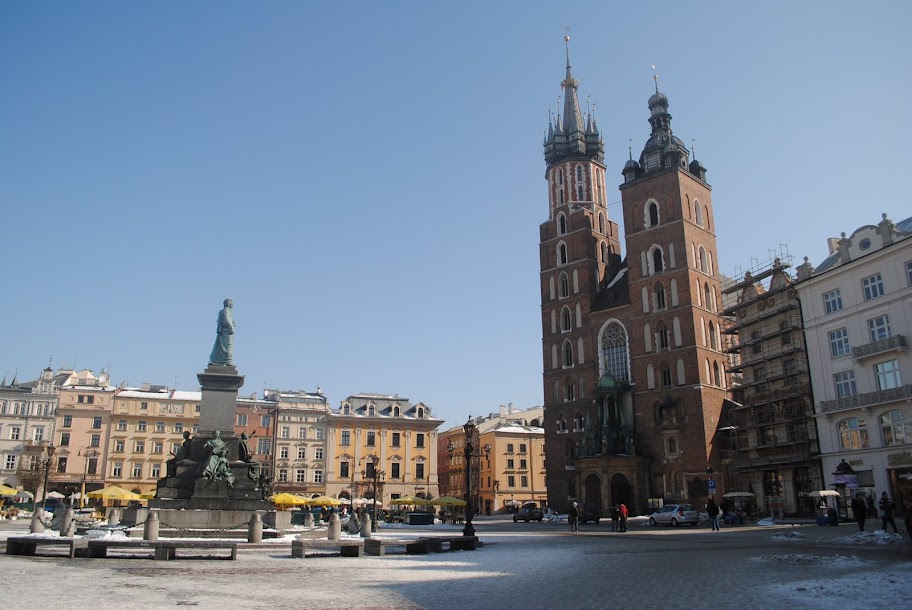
<point>223,350</point>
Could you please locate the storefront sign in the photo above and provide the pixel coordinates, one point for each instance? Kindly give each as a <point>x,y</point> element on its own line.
<point>899,459</point>
<point>858,462</point>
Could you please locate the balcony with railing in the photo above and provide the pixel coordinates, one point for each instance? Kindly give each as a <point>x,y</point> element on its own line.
<point>896,343</point>
<point>867,399</point>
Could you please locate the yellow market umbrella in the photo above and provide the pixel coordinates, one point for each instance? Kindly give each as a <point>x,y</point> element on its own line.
<point>147,496</point>
<point>410,500</point>
<point>324,501</point>
<point>288,499</point>
<point>6,490</point>
<point>113,493</point>
<point>448,501</point>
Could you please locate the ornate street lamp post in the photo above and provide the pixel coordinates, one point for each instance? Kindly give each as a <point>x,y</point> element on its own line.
<point>375,475</point>
<point>47,470</point>
<point>89,454</point>
<point>469,429</point>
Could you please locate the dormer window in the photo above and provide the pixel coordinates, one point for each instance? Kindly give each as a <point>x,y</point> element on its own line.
<point>371,410</point>
<point>420,412</point>
<point>396,412</point>
<point>346,409</point>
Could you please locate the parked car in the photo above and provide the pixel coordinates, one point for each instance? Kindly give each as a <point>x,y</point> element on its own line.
<point>675,515</point>
<point>528,513</point>
<point>589,513</point>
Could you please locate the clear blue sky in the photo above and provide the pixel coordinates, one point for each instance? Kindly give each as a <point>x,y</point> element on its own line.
<point>365,179</point>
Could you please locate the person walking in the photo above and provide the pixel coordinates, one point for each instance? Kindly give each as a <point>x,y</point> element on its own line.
<point>860,510</point>
<point>872,506</point>
<point>624,514</point>
<point>573,517</point>
<point>886,512</point>
<point>713,511</point>
<point>615,516</point>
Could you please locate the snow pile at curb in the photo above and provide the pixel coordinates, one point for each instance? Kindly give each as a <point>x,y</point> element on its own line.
<point>789,536</point>
<point>875,537</point>
<point>835,562</point>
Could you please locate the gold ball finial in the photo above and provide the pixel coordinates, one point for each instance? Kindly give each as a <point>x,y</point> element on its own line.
<point>567,38</point>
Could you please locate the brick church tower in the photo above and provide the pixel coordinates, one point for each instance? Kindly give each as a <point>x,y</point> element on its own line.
<point>634,377</point>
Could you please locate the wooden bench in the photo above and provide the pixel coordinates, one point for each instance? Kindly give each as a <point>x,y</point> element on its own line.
<point>27,545</point>
<point>454,543</point>
<point>350,547</point>
<point>163,550</point>
<point>413,546</point>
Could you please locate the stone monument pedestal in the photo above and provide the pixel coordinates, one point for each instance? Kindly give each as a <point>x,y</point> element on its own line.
<point>186,500</point>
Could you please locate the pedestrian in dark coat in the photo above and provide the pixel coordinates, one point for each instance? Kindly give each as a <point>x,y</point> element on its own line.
<point>860,510</point>
<point>872,506</point>
<point>886,512</point>
<point>615,517</point>
<point>713,511</point>
<point>573,517</point>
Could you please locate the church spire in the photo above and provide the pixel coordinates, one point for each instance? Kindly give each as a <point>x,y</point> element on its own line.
<point>573,119</point>
<point>570,134</point>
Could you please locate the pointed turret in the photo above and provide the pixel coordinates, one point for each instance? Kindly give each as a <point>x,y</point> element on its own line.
<point>572,135</point>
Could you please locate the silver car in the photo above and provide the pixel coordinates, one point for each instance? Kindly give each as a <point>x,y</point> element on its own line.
<point>675,515</point>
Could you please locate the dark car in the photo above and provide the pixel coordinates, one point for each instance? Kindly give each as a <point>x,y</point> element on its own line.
<point>528,513</point>
<point>590,513</point>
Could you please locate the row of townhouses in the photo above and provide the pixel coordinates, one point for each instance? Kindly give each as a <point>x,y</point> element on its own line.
<point>82,433</point>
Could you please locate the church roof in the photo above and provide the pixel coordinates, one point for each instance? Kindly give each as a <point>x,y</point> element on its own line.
<point>616,292</point>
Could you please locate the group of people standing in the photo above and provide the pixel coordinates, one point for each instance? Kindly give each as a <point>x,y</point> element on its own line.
<point>863,508</point>
<point>619,514</point>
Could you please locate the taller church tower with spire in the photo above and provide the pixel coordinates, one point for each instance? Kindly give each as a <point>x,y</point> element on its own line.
<point>633,367</point>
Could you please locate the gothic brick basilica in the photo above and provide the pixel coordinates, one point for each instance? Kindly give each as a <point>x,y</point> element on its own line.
<point>633,360</point>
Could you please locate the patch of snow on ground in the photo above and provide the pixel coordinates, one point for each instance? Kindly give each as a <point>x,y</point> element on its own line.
<point>875,537</point>
<point>869,589</point>
<point>767,522</point>
<point>835,562</point>
<point>789,536</point>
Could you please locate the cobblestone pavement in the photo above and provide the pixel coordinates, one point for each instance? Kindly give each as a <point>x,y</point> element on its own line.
<point>525,566</point>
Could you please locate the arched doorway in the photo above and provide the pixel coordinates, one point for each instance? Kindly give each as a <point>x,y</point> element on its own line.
<point>593,494</point>
<point>621,492</point>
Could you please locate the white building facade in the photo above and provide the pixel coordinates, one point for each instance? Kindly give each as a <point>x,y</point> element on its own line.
<point>857,310</point>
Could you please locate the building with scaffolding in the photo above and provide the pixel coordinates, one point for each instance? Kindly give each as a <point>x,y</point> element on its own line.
<point>772,448</point>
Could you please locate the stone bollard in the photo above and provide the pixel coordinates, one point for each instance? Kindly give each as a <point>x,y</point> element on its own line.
<point>354,524</point>
<point>335,527</point>
<point>67,524</point>
<point>365,526</point>
<point>114,516</point>
<point>255,528</point>
<point>37,526</point>
<point>150,527</point>
<point>308,519</point>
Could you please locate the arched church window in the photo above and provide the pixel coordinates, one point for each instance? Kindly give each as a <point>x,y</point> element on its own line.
<point>561,224</point>
<point>615,355</point>
<point>566,317</point>
<point>698,213</point>
<point>562,254</point>
<point>653,214</point>
<point>564,283</point>
<point>658,262</point>
<point>568,354</point>
<point>579,193</point>
<point>659,297</point>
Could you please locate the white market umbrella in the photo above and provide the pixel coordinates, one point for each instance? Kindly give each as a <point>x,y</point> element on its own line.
<point>823,493</point>
<point>738,494</point>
